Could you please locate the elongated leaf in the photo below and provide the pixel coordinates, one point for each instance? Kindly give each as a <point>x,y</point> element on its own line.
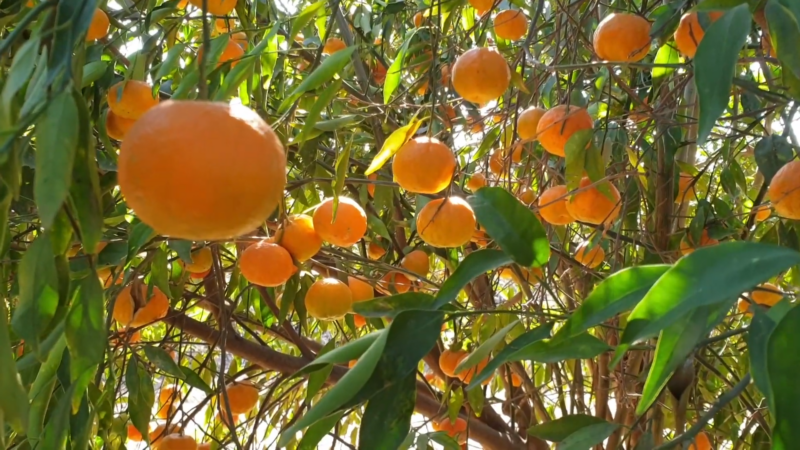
<point>305,16</point>
<point>38,291</point>
<point>784,31</point>
<point>194,380</point>
<point>19,73</point>
<point>161,359</point>
<point>141,396</point>
<point>244,68</point>
<point>331,66</point>
<point>582,346</point>
<point>561,428</point>
<point>342,167</point>
<point>392,144</point>
<point>322,102</point>
<point>56,142</point>
<point>394,72</point>
<point>588,437</point>
<point>387,418</point>
<point>483,351</point>
<point>667,54</point>
<point>13,401</point>
<point>772,153</point>
<point>783,361</point>
<point>84,194</point>
<point>86,327</point>
<point>344,354</point>
<point>140,233</point>
<point>476,263</point>
<point>758,334</point>
<point>171,62</point>
<point>395,304</point>
<point>42,390</point>
<point>507,353</point>
<point>316,432</point>
<point>55,433</point>
<point>715,62</point>
<point>575,156</point>
<point>512,225</point>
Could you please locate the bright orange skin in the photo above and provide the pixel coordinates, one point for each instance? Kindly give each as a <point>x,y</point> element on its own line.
<point>105,275</point>
<point>177,442</point>
<point>204,446</point>
<point>348,228</point>
<point>199,276</point>
<point>242,397</point>
<point>167,398</point>
<point>333,45</point>
<point>592,258</point>
<point>446,222</point>
<point>175,175</point>
<point>379,73</point>
<point>526,196</point>
<point>528,121</point>
<point>476,181</point>
<point>768,294</point>
<point>516,381</point>
<point>299,237</point>
<point>481,75</point>
<point>558,124</point>
<point>481,5</point>
<point>361,290</point>
<point>418,262</point>
<point>553,206</point>
<point>232,52</point>
<point>328,299</point>
<point>359,321</point>
<point>155,308</point>
<point>424,165</point>
<point>117,127</point>
<point>375,251</point>
<point>497,163</point>
<point>591,206</point>
<point>201,261</point>
<point>133,434</point>
<point>480,238</point>
<point>240,38</point>
<point>466,375</point>
<point>371,186</point>
<point>158,435</point>
<point>98,29</point>
<point>266,264</point>
<point>457,429</point>
<point>762,212</point>
<point>223,25</point>
<point>687,246</point>
<point>216,7</point>
<point>701,442</point>
<point>622,38</point>
<point>449,359</point>
<point>690,33</point>
<point>136,99</point>
<point>686,190</point>
<point>784,191</point>
<point>508,274</point>
<point>394,283</point>
<point>418,18</point>
<point>510,24</point>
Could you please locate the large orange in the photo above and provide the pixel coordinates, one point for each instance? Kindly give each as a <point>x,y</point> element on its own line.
<point>240,38</point>
<point>558,124</point>
<point>177,441</point>
<point>361,290</point>
<point>527,122</point>
<point>418,262</point>
<point>767,294</point>
<point>510,24</point>
<point>687,246</point>
<point>202,170</point>
<point>393,283</point>
<point>266,264</point>
<point>690,32</point>
<point>476,181</point>
<point>204,446</point>
<point>481,5</point>
<point>349,226</point>
<point>591,258</point>
<point>117,127</point>
<point>526,196</point>
<point>132,100</point>
<point>375,251</point>
<point>328,299</point>
<point>762,212</point>
<point>424,165</point>
<point>155,309</point>
<point>201,261</point>
<point>449,359</point>
<point>167,398</point>
<point>700,442</point>
<point>456,430</point>
<point>553,206</point>
<point>216,7</point>
<point>222,25</point>
<point>242,397</point>
<point>481,75</point>
<point>232,52</point>
<point>784,191</point>
<point>333,45</point>
<point>622,37</point>
<point>446,222</point>
<point>591,206</point>
<point>299,237</point>
<point>160,432</point>
<point>99,27</point>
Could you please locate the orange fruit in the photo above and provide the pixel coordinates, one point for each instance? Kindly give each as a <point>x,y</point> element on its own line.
<point>476,181</point>
<point>216,7</point>
<point>508,274</point>
<point>182,151</point>
<point>424,165</point>
<point>686,188</point>
<point>379,73</point>
<point>481,75</point>
<point>418,262</point>
<point>204,446</point>
<point>201,261</point>
<point>222,25</point>
<point>328,299</point>
<point>480,238</point>
<point>98,29</point>
<point>496,163</point>
<point>375,251</point>
<point>528,121</point>
<point>133,434</point>
<point>591,258</point>
<point>359,321</point>
<point>199,275</point>
<point>516,381</point>
<point>167,398</point>
<point>762,212</point>
<point>132,100</point>
<point>456,430</point>
<point>106,276</point>
<point>232,52</point>
<point>526,196</point>
<point>466,375</point>
<point>558,124</point>
<point>393,283</point>
<point>446,222</point>
<point>510,25</point>
<point>125,307</point>
<point>240,39</point>
<point>160,433</point>
<point>690,32</point>
<point>418,18</point>
<point>622,37</point>
<point>784,191</point>
<point>481,6</point>
<point>182,4</point>
<point>449,359</point>
<point>333,45</point>
<point>591,206</point>
<point>117,127</point>
<point>361,290</point>
<point>177,442</point>
<point>687,246</point>
<point>242,397</point>
<point>767,294</point>
<point>553,206</point>
<point>700,442</point>
<point>349,226</point>
<point>446,75</point>
<point>155,309</point>
<point>299,237</point>
<point>266,264</point>
<point>371,186</point>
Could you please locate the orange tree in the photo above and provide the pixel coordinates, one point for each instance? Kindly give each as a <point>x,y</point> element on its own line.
<point>251,224</point>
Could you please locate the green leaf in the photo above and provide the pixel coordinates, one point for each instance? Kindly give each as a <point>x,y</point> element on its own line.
<point>342,355</point>
<point>305,16</point>
<point>141,396</point>
<point>85,326</point>
<point>758,334</point>
<point>332,65</point>
<point>84,194</point>
<point>317,379</point>
<point>337,123</point>
<point>159,272</point>
<point>19,74</point>
<point>171,62</point>
<point>342,167</point>
<point>394,72</point>
<point>771,153</point>
<point>475,264</point>
<point>665,20</point>
<point>785,34</point>
<point>588,436</point>
<point>161,359</point>
<point>476,400</point>
<point>316,432</point>
<point>56,142</point>
<point>313,114</point>
<point>182,248</point>
<point>13,403</point>
<point>667,54</point>
<point>616,294</point>
<point>563,427</point>
<point>715,63</point>
<point>140,233</point>
<point>782,363</point>
<point>194,380</point>
<point>55,433</point>
<point>507,353</point>
<point>581,346</point>
<point>393,305</point>
<point>485,349</point>
<point>42,390</point>
<point>387,417</point>
<point>38,291</point>
<point>393,143</point>
<point>244,68</point>
<point>575,156</point>
<point>512,225</point>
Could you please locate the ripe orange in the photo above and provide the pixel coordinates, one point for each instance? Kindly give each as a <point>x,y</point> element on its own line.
<point>333,45</point>
<point>201,261</point>
<point>767,294</point>
<point>299,237</point>
<point>133,434</point>
<point>359,321</point>
<point>622,37</point>
<point>476,181</point>
<point>449,359</point>
<point>167,398</point>
<point>687,246</point>
<point>222,25</point>
<point>99,27</point>
<point>160,432</point>
<point>132,100</point>
<point>446,222</point>
<point>328,299</point>
<point>445,75</point>
<point>225,155</point>
<point>534,274</point>
<point>232,52</point>
<point>204,446</point>
<point>182,4</point>
<point>424,165</point>
<point>240,39</point>
<point>242,397</point>
<point>762,212</point>
<point>266,264</point>
<point>466,375</point>
<point>348,228</point>
<point>361,290</point>
<point>591,206</point>
<point>418,18</point>
<point>418,262</point>
<point>216,7</point>
<point>393,283</point>
<point>375,251</point>
<point>200,275</point>
<point>553,206</point>
<point>481,6</point>
<point>701,442</point>
<point>516,381</point>
<point>497,163</point>
<point>106,276</point>
<point>784,191</point>
<point>177,442</point>
<point>126,309</point>
<point>379,73</point>
<point>526,196</point>
<point>510,25</point>
<point>481,75</point>
<point>591,258</point>
<point>456,430</point>
<point>686,188</point>
<point>480,238</point>
<point>558,124</point>
<point>371,186</point>
<point>690,32</point>
<point>528,121</point>
<point>117,127</point>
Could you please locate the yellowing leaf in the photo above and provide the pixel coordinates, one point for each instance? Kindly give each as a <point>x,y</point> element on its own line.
<point>519,83</point>
<point>393,143</point>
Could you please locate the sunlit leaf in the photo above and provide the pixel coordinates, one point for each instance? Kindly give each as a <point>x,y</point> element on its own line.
<point>393,143</point>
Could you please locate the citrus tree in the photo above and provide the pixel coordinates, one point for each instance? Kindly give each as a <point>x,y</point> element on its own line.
<point>379,225</point>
